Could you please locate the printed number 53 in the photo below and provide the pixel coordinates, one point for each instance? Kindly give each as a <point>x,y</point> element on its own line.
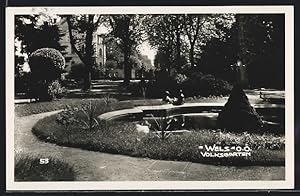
<point>44,161</point>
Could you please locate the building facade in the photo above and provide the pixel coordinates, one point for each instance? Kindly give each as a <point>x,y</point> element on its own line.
<point>71,57</point>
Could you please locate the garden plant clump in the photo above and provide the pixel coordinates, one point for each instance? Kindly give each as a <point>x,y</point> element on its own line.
<point>123,138</point>
<point>28,168</point>
<point>56,90</point>
<point>84,115</point>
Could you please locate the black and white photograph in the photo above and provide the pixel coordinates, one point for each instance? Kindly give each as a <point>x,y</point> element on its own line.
<point>148,98</point>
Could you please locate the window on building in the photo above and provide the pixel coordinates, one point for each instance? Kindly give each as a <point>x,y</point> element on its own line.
<point>100,52</point>
<point>100,64</point>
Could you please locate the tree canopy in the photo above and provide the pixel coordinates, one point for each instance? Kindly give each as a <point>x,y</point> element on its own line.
<point>128,31</point>
<point>177,36</point>
<point>36,32</point>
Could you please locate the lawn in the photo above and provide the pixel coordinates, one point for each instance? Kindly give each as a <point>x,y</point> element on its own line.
<point>122,138</point>
<point>28,168</point>
<point>40,107</point>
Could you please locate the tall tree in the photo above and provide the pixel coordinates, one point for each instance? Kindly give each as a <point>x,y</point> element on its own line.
<point>199,29</point>
<point>165,34</point>
<point>261,44</point>
<point>217,54</point>
<point>35,32</point>
<point>81,31</point>
<point>128,30</point>
<point>192,24</point>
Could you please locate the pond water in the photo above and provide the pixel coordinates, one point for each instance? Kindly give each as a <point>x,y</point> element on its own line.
<point>196,121</point>
<point>195,116</point>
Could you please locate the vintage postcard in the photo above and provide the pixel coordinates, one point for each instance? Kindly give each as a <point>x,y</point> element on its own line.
<point>150,98</point>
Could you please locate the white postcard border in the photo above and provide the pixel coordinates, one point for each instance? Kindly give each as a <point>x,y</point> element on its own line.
<point>288,183</point>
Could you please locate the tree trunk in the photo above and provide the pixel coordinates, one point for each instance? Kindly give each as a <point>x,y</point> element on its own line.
<point>127,68</point>
<point>88,59</point>
<point>87,80</point>
<point>178,46</point>
<point>191,54</point>
<point>169,61</point>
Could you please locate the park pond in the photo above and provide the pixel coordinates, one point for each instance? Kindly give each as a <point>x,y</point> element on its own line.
<point>193,116</point>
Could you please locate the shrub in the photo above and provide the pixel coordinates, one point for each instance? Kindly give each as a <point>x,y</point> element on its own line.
<point>67,116</point>
<point>46,65</point>
<point>28,168</point>
<point>238,114</point>
<point>205,85</point>
<point>84,115</point>
<point>55,90</point>
<point>46,91</point>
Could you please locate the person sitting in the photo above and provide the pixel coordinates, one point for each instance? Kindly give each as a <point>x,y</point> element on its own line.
<point>168,98</point>
<point>180,99</point>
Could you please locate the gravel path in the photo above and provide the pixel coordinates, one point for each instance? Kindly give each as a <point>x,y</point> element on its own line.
<point>96,166</point>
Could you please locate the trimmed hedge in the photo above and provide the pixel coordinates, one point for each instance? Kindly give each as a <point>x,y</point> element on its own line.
<point>46,65</point>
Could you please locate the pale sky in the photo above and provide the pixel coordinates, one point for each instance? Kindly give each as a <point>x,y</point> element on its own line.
<point>148,51</point>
